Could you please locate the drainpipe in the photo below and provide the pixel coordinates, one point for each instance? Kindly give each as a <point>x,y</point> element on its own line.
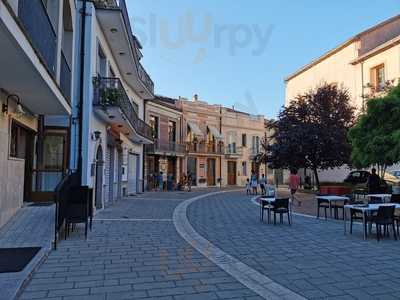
<point>81,87</point>
<point>144,147</point>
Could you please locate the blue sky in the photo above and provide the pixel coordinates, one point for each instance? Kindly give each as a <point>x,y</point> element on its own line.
<point>238,52</point>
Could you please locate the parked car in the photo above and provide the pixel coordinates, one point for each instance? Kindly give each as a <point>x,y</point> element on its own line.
<point>360,178</point>
<point>396,173</point>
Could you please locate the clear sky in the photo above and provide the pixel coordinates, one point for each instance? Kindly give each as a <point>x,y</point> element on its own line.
<point>237,52</point>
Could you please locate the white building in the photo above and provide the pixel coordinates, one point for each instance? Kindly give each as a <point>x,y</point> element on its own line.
<point>368,59</point>
<point>115,86</point>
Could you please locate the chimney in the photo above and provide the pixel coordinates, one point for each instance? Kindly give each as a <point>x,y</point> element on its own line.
<point>196,97</point>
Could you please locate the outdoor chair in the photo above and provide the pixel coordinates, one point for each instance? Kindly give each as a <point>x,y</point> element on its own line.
<point>322,204</point>
<point>340,206</point>
<point>265,206</point>
<point>375,200</point>
<point>356,215</point>
<point>385,218</point>
<point>396,200</point>
<point>281,207</point>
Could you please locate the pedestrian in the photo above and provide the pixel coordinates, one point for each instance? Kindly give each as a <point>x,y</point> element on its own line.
<point>263,184</point>
<point>164,179</point>
<point>160,182</point>
<point>374,183</point>
<point>294,183</point>
<point>189,182</point>
<point>248,188</point>
<point>254,182</point>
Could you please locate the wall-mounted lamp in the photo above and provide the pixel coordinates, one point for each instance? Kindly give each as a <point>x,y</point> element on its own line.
<point>19,110</point>
<point>96,135</point>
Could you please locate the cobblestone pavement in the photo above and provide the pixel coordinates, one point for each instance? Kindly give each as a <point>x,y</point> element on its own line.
<point>30,227</point>
<point>312,258</point>
<point>133,252</point>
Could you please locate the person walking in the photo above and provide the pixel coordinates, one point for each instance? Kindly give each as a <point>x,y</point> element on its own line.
<point>189,182</point>
<point>164,179</point>
<point>263,184</point>
<point>160,182</point>
<point>248,188</point>
<point>294,184</point>
<point>254,182</point>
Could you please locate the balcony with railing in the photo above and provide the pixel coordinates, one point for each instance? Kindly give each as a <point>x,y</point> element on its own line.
<point>232,151</point>
<point>120,6</point>
<point>204,148</point>
<point>113,105</point>
<point>37,25</point>
<point>167,148</point>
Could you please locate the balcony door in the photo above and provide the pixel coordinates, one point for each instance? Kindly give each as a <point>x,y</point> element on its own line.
<point>231,173</point>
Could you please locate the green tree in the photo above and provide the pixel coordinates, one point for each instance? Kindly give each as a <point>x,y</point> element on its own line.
<point>375,138</point>
<point>311,132</point>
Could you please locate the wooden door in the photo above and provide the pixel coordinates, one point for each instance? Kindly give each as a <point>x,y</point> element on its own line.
<point>211,172</point>
<point>231,173</point>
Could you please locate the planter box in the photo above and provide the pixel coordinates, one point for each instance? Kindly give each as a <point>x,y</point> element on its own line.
<point>335,190</point>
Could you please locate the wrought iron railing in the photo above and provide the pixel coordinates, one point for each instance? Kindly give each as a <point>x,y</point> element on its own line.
<point>204,148</point>
<point>170,147</point>
<point>121,5</point>
<point>233,150</point>
<point>40,31</point>
<point>109,92</point>
<point>65,77</point>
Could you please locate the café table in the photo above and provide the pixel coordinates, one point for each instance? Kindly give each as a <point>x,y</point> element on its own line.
<point>364,209</point>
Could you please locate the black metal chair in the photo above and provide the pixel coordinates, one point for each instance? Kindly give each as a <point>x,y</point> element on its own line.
<point>375,200</point>
<point>340,206</point>
<point>385,218</point>
<point>281,207</point>
<point>356,215</point>
<point>322,204</point>
<point>265,206</point>
<point>395,198</point>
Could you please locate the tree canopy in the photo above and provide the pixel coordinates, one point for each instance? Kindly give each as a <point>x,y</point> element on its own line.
<point>375,139</point>
<point>311,132</point>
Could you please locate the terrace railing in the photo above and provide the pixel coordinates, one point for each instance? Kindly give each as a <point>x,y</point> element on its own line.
<point>121,5</point>
<point>170,147</point>
<point>109,92</point>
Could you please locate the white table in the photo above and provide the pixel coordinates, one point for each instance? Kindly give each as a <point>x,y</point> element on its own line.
<point>330,199</point>
<point>384,197</point>
<point>365,209</point>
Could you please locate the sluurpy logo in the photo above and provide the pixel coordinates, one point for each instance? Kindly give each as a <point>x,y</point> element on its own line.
<point>200,33</point>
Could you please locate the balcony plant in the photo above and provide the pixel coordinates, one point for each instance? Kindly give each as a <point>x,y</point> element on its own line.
<point>111,96</point>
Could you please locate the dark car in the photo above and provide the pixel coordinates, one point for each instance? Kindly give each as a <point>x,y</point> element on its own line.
<point>357,177</point>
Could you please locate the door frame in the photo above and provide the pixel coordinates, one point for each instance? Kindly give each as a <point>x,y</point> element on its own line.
<point>232,163</point>
<point>211,181</point>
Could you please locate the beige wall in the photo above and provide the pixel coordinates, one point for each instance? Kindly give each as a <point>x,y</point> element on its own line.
<point>334,69</point>
<point>11,169</point>
<point>390,58</point>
